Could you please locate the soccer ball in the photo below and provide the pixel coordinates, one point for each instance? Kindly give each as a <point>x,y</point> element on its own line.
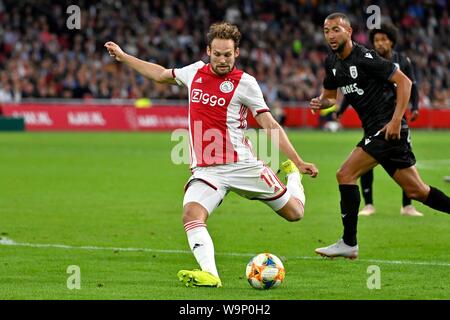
<point>265,271</point>
<point>332,126</point>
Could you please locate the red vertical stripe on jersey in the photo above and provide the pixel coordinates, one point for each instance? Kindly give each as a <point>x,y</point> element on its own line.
<point>243,117</point>
<point>209,99</point>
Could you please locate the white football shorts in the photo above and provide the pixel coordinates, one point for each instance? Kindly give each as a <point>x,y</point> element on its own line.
<point>255,181</point>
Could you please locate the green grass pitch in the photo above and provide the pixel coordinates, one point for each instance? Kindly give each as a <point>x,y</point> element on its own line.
<point>110,203</point>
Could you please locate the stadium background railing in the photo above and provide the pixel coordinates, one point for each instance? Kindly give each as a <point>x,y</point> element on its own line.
<point>160,115</point>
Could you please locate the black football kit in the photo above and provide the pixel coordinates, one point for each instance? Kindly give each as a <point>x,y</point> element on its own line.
<point>364,79</point>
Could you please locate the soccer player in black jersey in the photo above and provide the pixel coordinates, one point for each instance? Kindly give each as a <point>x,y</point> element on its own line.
<point>383,40</point>
<point>379,92</point>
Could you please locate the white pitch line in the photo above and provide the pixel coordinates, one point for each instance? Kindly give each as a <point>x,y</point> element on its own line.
<point>435,161</point>
<point>434,164</point>
<point>8,242</point>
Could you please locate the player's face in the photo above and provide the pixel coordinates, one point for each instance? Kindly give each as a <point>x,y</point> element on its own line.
<point>222,54</point>
<point>337,33</point>
<point>382,44</point>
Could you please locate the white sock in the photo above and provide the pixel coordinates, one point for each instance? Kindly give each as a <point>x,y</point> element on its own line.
<point>295,187</point>
<point>201,245</point>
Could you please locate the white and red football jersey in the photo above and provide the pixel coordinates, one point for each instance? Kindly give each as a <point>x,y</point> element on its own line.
<point>217,113</point>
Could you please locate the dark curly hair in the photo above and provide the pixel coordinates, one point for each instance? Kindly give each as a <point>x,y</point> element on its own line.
<point>224,30</point>
<point>388,29</point>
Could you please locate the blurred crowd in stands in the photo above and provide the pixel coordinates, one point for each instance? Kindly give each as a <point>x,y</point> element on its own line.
<point>282,45</point>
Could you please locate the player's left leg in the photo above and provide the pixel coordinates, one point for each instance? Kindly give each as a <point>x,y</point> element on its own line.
<point>367,192</point>
<point>294,209</point>
<point>367,186</point>
<point>405,200</point>
<point>411,182</point>
<point>407,208</point>
<point>259,182</point>
<point>399,162</point>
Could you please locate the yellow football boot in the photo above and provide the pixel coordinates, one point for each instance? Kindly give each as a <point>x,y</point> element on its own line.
<point>288,167</point>
<point>198,278</point>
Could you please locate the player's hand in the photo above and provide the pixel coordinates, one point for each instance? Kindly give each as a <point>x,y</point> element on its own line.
<point>308,168</point>
<point>115,51</point>
<point>414,115</point>
<point>392,130</point>
<point>315,104</point>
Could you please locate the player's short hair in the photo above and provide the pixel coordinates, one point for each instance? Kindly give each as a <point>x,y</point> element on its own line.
<point>337,15</point>
<point>224,30</point>
<point>388,29</point>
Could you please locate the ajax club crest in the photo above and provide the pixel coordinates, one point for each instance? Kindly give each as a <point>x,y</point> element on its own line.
<point>226,86</point>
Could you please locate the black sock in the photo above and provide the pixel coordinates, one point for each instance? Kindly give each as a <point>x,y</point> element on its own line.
<point>350,200</point>
<point>366,186</point>
<point>438,200</point>
<point>405,200</point>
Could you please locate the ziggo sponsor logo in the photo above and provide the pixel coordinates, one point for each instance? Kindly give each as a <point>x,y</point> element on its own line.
<point>199,96</point>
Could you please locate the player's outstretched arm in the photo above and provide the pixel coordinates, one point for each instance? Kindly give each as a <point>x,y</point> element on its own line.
<point>149,70</point>
<point>277,135</point>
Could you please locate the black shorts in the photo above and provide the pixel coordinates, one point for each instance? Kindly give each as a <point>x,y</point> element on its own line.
<point>392,154</point>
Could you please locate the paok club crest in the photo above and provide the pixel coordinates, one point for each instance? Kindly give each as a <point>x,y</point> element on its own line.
<point>354,72</point>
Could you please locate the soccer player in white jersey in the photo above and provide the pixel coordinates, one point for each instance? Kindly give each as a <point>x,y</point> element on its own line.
<point>221,156</point>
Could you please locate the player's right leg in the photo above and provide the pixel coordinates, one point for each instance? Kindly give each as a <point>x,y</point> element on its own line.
<point>200,199</point>
<point>294,209</point>
<point>356,164</point>
<point>256,181</point>
<point>367,187</point>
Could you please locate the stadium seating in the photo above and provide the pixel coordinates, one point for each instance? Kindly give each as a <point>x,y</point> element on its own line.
<point>282,45</point>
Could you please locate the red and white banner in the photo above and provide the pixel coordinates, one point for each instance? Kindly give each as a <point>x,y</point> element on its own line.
<point>48,118</point>
<point>69,117</point>
<point>162,118</point>
<point>97,118</point>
